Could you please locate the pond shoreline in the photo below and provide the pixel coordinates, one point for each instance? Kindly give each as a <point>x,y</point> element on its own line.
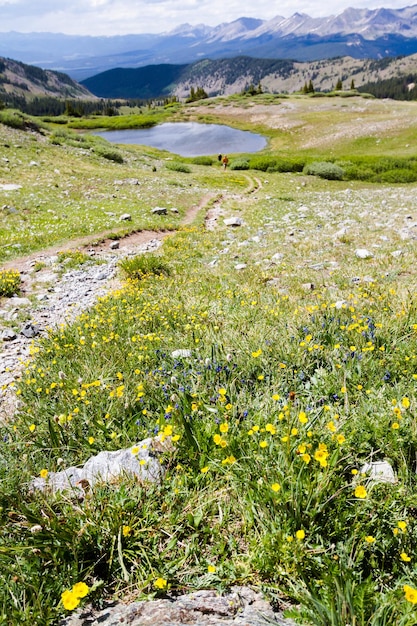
<point>190,139</point>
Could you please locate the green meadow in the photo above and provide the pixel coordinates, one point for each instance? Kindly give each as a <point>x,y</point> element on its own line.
<point>298,370</point>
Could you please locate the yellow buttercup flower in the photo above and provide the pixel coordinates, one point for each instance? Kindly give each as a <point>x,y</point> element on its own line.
<point>80,590</point>
<point>302,417</point>
<point>405,402</point>
<point>410,594</point>
<point>160,583</point>
<point>127,530</point>
<point>69,600</point>
<point>360,492</point>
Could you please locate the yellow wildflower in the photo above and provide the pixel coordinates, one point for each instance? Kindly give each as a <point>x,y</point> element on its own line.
<point>360,492</point>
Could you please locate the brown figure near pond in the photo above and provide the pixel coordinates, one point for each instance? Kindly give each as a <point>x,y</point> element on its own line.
<point>225,161</point>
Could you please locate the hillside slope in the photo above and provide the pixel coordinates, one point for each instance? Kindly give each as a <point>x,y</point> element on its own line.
<point>30,81</point>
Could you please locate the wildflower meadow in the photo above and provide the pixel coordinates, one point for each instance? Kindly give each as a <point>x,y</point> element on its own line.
<point>279,366</point>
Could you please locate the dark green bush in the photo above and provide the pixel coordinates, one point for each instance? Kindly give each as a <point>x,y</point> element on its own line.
<point>324,169</point>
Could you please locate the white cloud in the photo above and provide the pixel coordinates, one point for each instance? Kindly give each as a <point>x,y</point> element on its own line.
<point>112,17</point>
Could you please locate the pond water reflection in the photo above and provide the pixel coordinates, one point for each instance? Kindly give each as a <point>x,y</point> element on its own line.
<point>190,138</point>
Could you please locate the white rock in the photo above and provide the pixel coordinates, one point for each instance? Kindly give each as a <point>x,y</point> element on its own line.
<point>181,354</point>
<point>126,217</point>
<point>240,266</point>
<point>397,253</point>
<point>363,253</point>
<point>108,466</point>
<point>233,221</point>
<point>19,302</point>
<point>379,472</point>
<point>10,187</point>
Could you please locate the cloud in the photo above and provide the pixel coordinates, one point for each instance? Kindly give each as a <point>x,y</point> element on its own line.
<point>112,17</point>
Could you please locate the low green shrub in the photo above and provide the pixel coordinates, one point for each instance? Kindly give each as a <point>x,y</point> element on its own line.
<point>9,282</point>
<point>202,160</point>
<point>109,154</point>
<point>175,166</point>
<point>324,169</point>
<point>276,164</point>
<point>377,169</point>
<point>143,265</point>
<point>16,119</point>
<point>73,258</point>
<point>239,164</point>
<point>400,175</point>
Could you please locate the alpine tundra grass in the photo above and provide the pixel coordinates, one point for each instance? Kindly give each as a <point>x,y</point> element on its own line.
<point>297,370</point>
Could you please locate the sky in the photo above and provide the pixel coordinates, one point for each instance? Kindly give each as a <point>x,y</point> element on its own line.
<point>122,17</point>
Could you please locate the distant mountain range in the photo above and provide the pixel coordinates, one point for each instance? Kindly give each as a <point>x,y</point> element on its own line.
<point>358,33</point>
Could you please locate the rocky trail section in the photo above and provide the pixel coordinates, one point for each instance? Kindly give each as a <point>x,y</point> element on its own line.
<point>49,298</point>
